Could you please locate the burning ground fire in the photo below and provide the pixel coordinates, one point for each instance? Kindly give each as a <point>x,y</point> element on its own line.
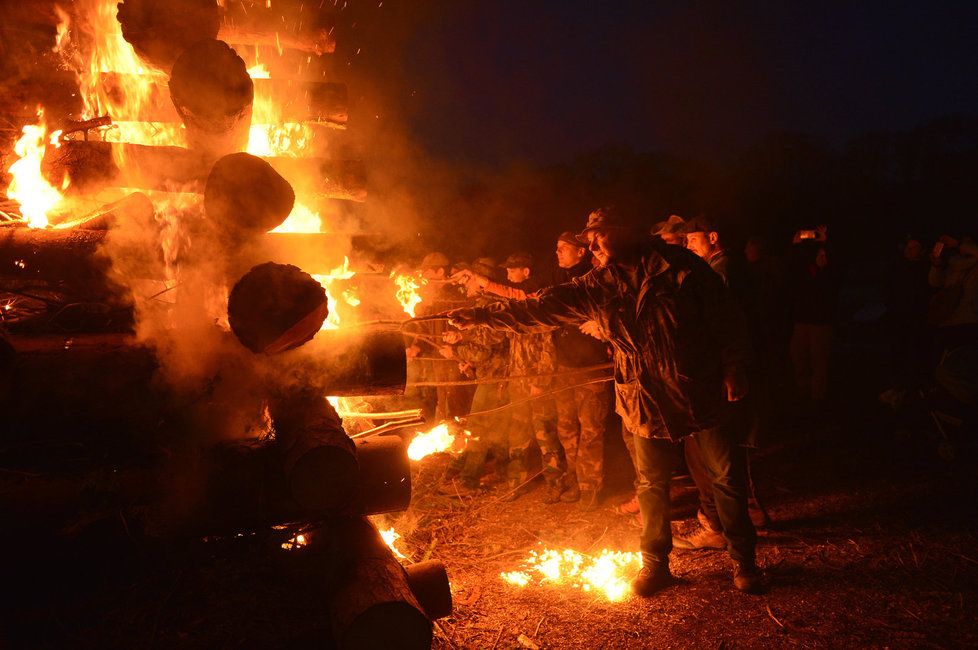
<point>607,573</point>
<point>439,438</point>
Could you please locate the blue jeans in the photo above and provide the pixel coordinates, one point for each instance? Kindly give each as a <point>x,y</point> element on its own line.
<point>726,464</point>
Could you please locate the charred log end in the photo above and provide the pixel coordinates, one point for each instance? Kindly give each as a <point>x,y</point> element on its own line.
<point>429,584</point>
<point>160,30</point>
<point>324,479</point>
<point>388,625</point>
<point>213,95</point>
<point>245,196</point>
<point>373,364</point>
<point>385,475</point>
<point>276,307</point>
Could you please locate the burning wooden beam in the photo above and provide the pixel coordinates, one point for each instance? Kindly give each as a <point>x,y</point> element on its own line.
<point>284,24</point>
<point>90,166</point>
<point>371,604</point>
<point>294,100</point>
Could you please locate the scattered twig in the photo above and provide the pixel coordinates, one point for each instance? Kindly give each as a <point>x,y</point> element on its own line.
<point>774,618</point>
<point>498,636</point>
<point>539,623</point>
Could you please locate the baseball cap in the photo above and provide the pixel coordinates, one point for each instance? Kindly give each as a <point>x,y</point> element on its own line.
<point>606,217</point>
<point>517,261</point>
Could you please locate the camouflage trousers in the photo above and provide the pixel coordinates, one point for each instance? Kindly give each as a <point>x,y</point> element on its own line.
<point>581,416</point>
<point>489,433</point>
<point>531,421</point>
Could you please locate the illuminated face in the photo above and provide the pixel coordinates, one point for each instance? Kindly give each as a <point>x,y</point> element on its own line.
<point>517,275</point>
<point>433,273</point>
<point>602,244</point>
<point>568,255</point>
<point>699,243</point>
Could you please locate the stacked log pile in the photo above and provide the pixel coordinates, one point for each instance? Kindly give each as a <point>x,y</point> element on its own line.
<point>94,428</point>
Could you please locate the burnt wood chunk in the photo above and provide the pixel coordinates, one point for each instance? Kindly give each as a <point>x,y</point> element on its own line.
<point>90,166</point>
<point>276,307</point>
<point>160,30</point>
<point>244,193</point>
<point>372,605</point>
<point>213,95</point>
<point>430,585</point>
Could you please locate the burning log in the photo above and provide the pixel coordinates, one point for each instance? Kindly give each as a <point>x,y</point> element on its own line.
<point>63,254</point>
<point>276,307</point>
<point>372,605</point>
<point>244,196</point>
<point>160,30</point>
<point>283,24</point>
<point>385,475</point>
<point>429,583</point>
<point>90,166</point>
<point>133,208</point>
<point>318,458</point>
<point>295,101</point>
<point>213,95</point>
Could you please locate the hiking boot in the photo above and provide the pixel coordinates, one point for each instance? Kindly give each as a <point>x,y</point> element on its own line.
<point>572,493</point>
<point>747,578</point>
<point>515,491</point>
<point>554,491</point>
<point>589,499</point>
<point>653,577</point>
<point>705,521</point>
<point>702,539</point>
<point>757,514</point>
<point>629,507</point>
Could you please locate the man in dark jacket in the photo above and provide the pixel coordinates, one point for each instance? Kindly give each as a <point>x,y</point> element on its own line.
<point>680,353</point>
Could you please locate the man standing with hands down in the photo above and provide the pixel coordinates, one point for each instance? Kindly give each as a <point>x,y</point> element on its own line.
<point>680,353</point>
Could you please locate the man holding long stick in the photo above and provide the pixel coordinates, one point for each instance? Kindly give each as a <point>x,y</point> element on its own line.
<point>680,351</point>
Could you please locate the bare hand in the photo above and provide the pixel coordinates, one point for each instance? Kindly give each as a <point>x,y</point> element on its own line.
<point>412,352</point>
<point>447,351</point>
<point>451,337</point>
<point>821,233</point>
<point>591,328</point>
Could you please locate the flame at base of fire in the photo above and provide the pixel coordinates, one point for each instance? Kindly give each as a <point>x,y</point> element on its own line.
<point>438,439</point>
<point>608,573</point>
<point>28,186</point>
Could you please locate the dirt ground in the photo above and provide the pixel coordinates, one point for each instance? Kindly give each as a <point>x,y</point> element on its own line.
<point>873,544</point>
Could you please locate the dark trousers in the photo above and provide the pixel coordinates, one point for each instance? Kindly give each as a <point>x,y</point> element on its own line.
<point>725,462</point>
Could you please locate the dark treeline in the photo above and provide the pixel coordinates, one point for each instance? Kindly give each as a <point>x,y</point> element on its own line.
<point>871,191</point>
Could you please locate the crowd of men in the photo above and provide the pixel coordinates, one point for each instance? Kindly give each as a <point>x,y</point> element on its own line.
<point>693,344</point>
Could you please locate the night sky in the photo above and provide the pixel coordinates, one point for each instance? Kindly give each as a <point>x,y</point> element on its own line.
<point>500,81</point>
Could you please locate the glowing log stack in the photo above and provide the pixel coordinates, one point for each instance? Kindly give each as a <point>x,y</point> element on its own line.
<point>161,418</point>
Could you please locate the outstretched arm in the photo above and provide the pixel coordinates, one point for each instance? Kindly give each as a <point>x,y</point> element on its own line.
<point>565,304</point>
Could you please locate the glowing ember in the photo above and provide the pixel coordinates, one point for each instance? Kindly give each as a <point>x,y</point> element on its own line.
<point>296,542</point>
<point>607,573</point>
<point>438,439</point>
<point>341,272</point>
<point>28,187</point>
<point>301,219</point>
<point>407,292</point>
<point>390,537</point>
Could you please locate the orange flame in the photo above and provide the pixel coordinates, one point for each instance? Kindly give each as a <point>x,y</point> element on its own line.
<point>390,537</point>
<point>439,438</point>
<point>28,187</point>
<point>407,292</point>
<point>607,573</point>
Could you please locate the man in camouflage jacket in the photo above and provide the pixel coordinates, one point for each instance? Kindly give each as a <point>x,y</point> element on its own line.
<point>680,354</point>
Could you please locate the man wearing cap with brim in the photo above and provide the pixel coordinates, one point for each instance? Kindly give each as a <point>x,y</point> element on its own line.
<point>671,230</point>
<point>680,351</point>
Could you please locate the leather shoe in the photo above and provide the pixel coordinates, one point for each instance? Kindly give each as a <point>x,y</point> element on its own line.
<point>702,539</point>
<point>747,578</point>
<point>652,578</point>
<point>571,494</point>
<point>589,499</point>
